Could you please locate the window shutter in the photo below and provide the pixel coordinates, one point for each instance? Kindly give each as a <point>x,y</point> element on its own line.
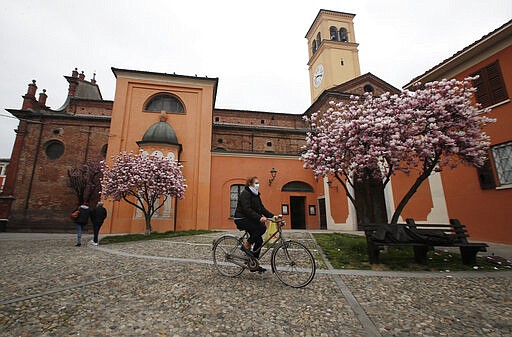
<point>486,176</point>
<point>482,92</point>
<point>496,86</point>
<point>490,88</point>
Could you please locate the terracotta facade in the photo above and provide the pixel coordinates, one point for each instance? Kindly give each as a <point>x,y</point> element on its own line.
<point>220,148</point>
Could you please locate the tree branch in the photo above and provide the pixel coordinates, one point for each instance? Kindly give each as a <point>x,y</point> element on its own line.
<point>352,199</point>
<point>423,176</point>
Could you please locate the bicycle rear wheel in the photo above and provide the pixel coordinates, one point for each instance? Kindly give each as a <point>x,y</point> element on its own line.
<point>293,264</point>
<point>226,251</point>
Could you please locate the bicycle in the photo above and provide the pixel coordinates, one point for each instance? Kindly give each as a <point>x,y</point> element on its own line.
<point>291,261</point>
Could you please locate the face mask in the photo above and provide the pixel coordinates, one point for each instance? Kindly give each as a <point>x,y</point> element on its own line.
<point>257,186</point>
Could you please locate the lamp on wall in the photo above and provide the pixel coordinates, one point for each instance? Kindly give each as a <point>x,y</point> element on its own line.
<point>273,174</point>
<point>329,183</point>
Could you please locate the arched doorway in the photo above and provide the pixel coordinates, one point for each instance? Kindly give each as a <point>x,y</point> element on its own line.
<point>297,202</point>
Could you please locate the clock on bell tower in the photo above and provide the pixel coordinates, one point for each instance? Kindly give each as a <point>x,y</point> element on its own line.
<point>333,54</point>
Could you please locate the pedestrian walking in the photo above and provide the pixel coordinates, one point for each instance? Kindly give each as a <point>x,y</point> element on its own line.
<point>81,220</point>
<point>98,215</point>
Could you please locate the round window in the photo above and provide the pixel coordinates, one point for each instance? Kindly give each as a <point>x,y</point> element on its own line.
<point>54,149</point>
<point>368,88</point>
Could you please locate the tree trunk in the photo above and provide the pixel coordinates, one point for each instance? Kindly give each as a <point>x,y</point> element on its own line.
<point>148,225</point>
<point>411,192</point>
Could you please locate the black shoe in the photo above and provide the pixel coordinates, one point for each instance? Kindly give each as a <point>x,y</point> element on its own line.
<point>259,270</point>
<point>78,245</point>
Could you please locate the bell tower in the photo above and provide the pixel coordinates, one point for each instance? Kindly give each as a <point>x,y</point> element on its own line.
<point>333,54</point>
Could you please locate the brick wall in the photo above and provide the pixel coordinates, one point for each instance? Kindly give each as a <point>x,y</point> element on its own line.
<point>259,132</point>
<point>43,198</point>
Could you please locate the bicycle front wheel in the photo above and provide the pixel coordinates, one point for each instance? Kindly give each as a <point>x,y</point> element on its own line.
<point>227,256</point>
<point>293,264</point>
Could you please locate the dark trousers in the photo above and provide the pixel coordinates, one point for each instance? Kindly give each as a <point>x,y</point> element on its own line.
<point>255,229</point>
<point>96,230</point>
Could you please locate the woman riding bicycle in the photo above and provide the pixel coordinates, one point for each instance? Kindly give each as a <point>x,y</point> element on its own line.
<point>251,216</point>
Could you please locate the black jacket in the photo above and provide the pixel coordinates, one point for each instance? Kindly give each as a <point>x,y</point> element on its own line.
<point>98,215</point>
<point>250,206</point>
<point>83,215</point>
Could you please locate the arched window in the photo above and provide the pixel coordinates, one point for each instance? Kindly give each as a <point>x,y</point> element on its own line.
<point>333,32</point>
<point>54,149</point>
<point>318,40</point>
<point>297,186</point>
<point>234,192</point>
<point>157,153</point>
<point>313,47</point>
<point>343,35</point>
<point>104,149</point>
<point>164,102</point>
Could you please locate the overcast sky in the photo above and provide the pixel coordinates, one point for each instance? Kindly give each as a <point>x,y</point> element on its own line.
<point>257,49</point>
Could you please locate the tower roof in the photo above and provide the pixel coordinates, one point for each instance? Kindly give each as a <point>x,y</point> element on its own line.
<point>326,11</point>
<point>160,132</point>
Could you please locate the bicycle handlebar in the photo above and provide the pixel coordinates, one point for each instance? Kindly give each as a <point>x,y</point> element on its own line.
<point>278,220</point>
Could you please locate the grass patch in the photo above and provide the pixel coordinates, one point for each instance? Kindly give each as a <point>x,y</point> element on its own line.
<point>152,236</point>
<point>346,251</point>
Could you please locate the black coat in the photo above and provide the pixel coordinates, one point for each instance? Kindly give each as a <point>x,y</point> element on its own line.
<point>98,215</point>
<point>83,215</point>
<point>250,206</point>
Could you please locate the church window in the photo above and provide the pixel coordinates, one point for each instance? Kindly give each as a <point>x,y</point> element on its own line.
<point>490,88</point>
<point>313,47</point>
<point>334,33</point>
<point>234,192</point>
<point>104,149</point>
<point>318,40</point>
<point>54,149</point>
<point>343,35</point>
<point>297,186</point>
<point>503,160</point>
<point>164,102</point>
<point>158,154</point>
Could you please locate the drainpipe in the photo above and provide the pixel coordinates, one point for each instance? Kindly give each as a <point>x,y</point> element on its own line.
<point>176,199</point>
<point>33,167</point>
<point>87,143</point>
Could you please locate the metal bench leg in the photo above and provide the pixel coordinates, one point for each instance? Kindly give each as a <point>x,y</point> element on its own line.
<point>420,254</point>
<point>468,255</point>
<point>373,253</point>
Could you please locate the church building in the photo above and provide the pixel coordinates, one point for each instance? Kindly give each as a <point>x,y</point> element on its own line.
<point>176,116</point>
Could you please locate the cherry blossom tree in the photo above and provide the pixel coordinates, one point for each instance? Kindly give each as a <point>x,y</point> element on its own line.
<point>143,181</point>
<point>85,180</point>
<point>421,131</point>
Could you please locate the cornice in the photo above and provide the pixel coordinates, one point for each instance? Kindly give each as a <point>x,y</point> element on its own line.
<point>474,53</point>
<point>255,155</point>
<point>329,44</point>
<point>254,128</point>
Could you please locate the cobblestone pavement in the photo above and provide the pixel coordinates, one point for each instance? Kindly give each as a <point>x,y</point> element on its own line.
<point>51,288</point>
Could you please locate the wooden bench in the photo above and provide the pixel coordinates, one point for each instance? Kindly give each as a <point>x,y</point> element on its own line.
<point>422,237</point>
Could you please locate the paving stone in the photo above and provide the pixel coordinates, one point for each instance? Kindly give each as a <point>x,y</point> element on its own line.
<point>102,293</point>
